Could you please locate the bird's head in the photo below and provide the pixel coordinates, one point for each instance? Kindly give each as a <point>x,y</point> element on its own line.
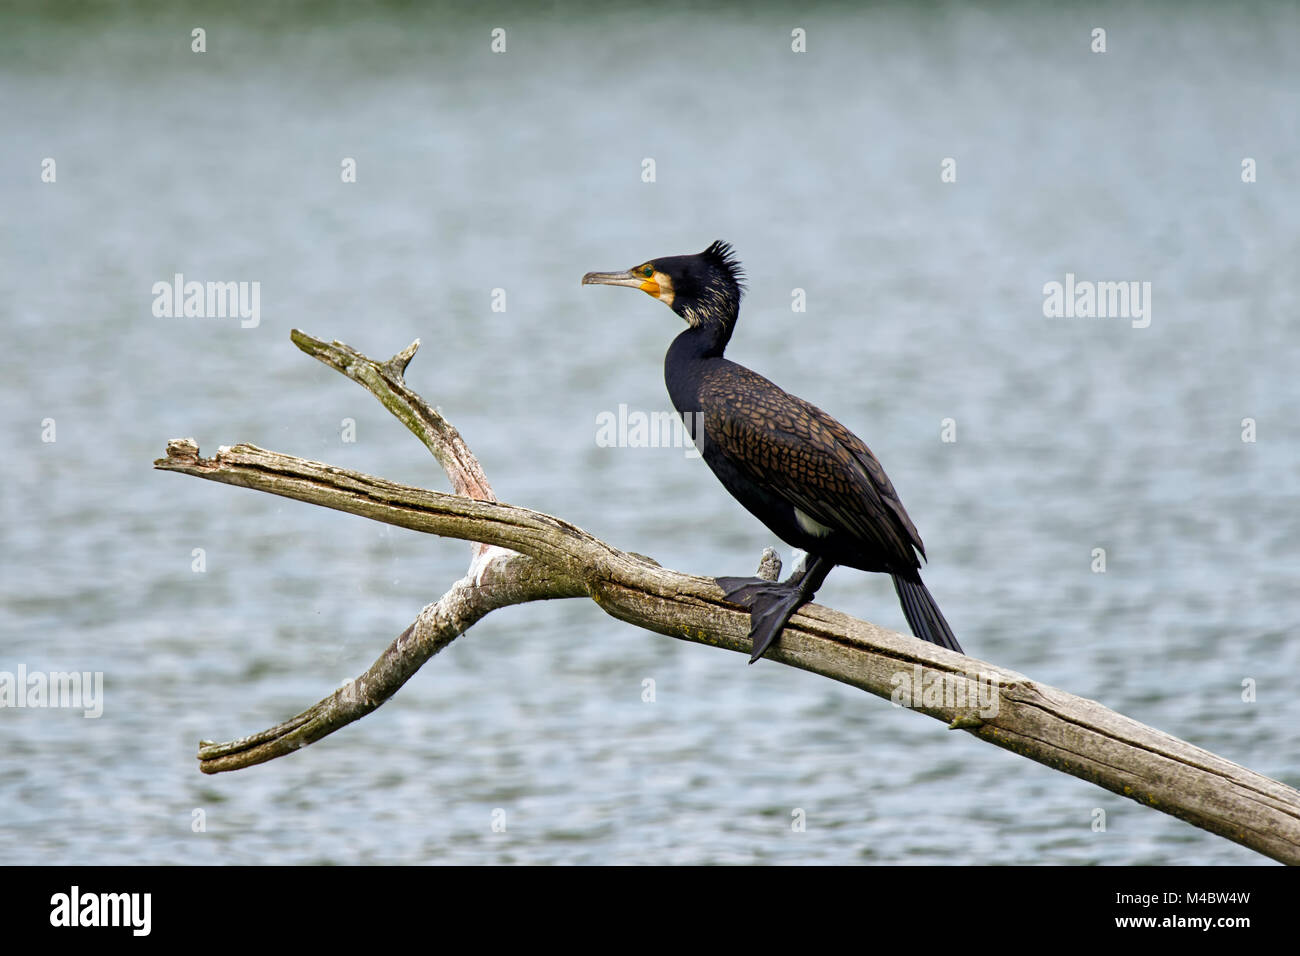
<point>700,288</point>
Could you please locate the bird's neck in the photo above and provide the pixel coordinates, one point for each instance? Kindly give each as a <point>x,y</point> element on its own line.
<point>691,352</point>
<point>706,340</point>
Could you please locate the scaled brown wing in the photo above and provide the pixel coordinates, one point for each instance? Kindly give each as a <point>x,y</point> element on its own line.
<point>808,458</point>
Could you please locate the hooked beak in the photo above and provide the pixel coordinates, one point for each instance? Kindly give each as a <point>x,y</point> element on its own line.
<point>613,278</point>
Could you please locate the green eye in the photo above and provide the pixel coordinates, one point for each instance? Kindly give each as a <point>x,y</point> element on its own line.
<point>647,271</point>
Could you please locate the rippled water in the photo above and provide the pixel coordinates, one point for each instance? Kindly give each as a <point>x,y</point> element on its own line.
<point>521,171</point>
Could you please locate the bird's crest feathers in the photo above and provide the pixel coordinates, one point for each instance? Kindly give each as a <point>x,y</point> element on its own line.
<point>722,255</point>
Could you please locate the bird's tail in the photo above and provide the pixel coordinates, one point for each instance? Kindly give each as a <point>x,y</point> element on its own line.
<point>923,615</point>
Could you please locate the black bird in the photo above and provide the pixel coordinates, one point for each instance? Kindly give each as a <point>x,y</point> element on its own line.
<point>799,471</point>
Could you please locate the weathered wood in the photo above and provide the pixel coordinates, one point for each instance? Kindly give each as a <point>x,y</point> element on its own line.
<point>522,555</point>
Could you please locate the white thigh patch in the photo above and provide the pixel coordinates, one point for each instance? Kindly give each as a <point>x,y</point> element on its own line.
<point>810,526</point>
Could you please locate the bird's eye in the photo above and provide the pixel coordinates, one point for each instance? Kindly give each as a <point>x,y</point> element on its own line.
<point>647,271</point>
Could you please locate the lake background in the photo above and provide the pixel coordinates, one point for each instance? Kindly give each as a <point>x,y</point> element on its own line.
<point>521,171</point>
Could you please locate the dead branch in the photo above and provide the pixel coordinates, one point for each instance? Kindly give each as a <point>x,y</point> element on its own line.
<point>521,555</point>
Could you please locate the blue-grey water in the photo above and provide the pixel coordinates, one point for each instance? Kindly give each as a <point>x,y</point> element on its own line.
<point>519,171</point>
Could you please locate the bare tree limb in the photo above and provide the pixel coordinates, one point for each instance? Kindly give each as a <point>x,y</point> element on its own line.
<point>524,555</point>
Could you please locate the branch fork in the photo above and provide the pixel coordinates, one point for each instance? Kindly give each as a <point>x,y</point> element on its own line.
<point>518,556</point>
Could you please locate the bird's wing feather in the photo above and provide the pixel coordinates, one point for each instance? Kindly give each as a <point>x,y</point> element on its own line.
<point>807,458</point>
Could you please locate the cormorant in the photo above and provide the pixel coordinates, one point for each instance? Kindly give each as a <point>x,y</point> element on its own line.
<point>813,482</point>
